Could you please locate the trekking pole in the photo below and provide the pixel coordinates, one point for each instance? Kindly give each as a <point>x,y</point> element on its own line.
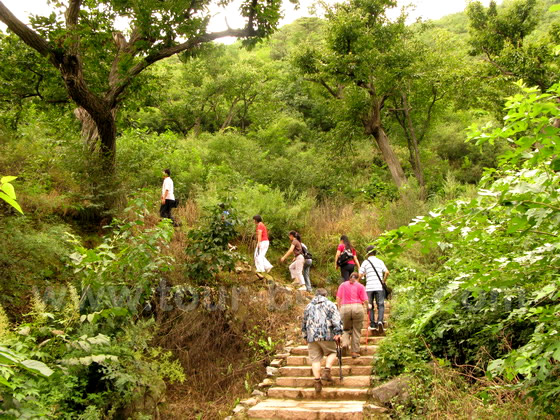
<point>339,355</point>
<point>367,330</point>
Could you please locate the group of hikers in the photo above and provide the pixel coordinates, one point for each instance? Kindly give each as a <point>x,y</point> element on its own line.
<point>325,324</point>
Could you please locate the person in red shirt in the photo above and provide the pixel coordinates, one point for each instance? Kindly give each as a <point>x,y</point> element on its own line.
<point>352,299</point>
<point>262,265</point>
<point>346,258</point>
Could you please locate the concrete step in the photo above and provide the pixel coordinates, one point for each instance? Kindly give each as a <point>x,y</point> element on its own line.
<point>302,350</point>
<point>300,371</point>
<point>328,393</point>
<point>307,410</point>
<point>346,361</point>
<point>308,382</point>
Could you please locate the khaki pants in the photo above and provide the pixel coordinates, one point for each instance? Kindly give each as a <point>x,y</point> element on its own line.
<point>353,321</point>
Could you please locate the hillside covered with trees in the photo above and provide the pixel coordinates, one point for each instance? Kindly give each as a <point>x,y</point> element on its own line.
<point>438,141</point>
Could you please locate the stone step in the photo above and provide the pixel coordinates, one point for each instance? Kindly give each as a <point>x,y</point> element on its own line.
<point>328,393</point>
<point>307,410</point>
<point>302,350</point>
<point>307,382</point>
<point>372,334</point>
<point>371,339</point>
<point>300,371</point>
<point>304,361</point>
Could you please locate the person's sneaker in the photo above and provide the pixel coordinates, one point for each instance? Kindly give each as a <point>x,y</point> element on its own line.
<point>380,327</point>
<point>326,376</point>
<point>355,355</point>
<point>302,288</point>
<point>372,328</point>
<point>318,386</point>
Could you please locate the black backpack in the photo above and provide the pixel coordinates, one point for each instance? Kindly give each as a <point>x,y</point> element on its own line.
<point>345,256</point>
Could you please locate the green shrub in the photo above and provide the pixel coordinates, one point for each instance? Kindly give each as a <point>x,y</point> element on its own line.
<point>488,306</point>
<point>84,349</point>
<point>208,251</point>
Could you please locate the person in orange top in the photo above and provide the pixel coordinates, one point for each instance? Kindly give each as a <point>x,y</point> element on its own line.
<point>262,265</point>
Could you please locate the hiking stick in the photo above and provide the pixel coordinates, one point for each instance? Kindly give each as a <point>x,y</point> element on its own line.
<point>367,330</point>
<point>339,355</point>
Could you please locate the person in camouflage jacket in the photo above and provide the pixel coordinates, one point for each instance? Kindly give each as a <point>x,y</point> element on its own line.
<point>321,329</point>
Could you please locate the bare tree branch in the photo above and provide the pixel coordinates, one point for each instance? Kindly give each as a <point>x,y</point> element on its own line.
<point>72,13</point>
<point>27,35</point>
<point>118,88</point>
<point>429,113</point>
<point>495,64</point>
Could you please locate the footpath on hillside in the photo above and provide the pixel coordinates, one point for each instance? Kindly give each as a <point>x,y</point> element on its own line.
<point>288,392</point>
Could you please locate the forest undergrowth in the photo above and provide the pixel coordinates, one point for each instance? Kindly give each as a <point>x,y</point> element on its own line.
<point>354,123</point>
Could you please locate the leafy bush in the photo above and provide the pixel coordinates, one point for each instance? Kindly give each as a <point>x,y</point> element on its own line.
<point>208,250</point>
<point>491,303</point>
<point>30,254</point>
<point>85,350</point>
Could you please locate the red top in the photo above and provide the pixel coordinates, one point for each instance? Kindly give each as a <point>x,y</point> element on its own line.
<point>262,228</point>
<point>342,247</point>
<point>351,293</point>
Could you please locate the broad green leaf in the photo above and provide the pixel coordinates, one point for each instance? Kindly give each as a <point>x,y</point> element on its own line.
<point>36,366</point>
<point>6,179</point>
<point>4,381</point>
<point>554,8</point>
<point>9,190</point>
<point>11,202</point>
<point>8,357</point>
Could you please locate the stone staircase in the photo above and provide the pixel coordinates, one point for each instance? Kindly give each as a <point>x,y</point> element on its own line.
<point>289,392</point>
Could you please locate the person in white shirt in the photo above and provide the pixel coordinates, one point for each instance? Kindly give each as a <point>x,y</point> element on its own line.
<point>167,196</point>
<point>375,271</point>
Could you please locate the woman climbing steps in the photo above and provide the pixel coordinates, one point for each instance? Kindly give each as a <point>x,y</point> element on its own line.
<point>346,258</point>
<point>296,267</point>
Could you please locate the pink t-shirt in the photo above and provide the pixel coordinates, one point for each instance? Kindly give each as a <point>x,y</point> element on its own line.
<point>341,248</point>
<point>351,293</point>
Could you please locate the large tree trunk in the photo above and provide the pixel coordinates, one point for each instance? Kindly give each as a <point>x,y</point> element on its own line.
<point>413,144</point>
<point>373,126</point>
<point>391,159</point>
<point>105,142</point>
<point>107,129</point>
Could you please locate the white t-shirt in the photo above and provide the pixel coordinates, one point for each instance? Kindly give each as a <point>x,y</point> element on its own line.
<point>372,281</point>
<point>167,185</point>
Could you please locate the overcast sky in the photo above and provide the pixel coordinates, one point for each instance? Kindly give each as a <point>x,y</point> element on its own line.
<point>427,9</point>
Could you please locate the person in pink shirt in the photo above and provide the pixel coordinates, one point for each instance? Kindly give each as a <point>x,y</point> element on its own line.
<point>352,299</point>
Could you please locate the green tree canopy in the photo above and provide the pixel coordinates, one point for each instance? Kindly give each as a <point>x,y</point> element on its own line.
<point>98,62</point>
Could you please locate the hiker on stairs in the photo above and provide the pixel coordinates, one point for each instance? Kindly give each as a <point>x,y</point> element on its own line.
<point>346,258</point>
<point>351,299</point>
<point>375,271</point>
<point>296,267</point>
<point>321,329</point>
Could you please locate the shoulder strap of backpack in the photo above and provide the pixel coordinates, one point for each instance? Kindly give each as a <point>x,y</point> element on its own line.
<point>374,269</point>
